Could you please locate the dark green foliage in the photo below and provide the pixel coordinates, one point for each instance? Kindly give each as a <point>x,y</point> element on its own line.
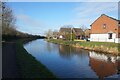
<point>9,37</point>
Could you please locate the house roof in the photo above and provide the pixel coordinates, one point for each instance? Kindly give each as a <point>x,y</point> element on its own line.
<point>65,30</point>
<point>77,31</point>
<point>106,16</point>
<point>55,33</point>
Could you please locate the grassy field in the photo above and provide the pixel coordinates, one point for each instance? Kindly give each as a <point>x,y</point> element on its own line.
<point>29,66</point>
<point>106,47</point>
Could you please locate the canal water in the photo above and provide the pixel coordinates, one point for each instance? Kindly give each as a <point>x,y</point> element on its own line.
<point>69,62</point>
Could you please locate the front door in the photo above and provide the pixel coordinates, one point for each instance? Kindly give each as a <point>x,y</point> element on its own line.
<point>110,36</point>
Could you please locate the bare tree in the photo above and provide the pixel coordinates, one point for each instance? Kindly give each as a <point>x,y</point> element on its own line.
<point>8,19</point>
<point>49,34</point>
<point>67,26</point>
<point>83,27</point>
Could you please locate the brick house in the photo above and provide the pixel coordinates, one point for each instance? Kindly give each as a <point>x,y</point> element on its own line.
<point>55,35</point>
<point>79,34</point>
<point>105,29</point>
<point>64,31</point>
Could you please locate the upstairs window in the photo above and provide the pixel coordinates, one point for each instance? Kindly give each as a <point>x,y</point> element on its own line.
<point>104,26</point>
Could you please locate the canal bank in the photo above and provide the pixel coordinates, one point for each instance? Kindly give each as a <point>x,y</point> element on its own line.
<point>24,64</point>
<point>70,62</point>
<point>104,47</point>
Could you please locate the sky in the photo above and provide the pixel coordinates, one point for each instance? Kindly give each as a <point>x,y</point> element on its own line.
<point>39,17</point>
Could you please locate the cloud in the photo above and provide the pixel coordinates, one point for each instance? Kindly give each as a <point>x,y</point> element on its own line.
<point>87,12</point>
<point>93,8</point>
<point>30,25</point>
<point>27,20</point>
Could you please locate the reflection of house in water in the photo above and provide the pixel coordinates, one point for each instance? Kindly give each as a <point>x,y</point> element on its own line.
<point>103,65</point>
<point>118,65</point>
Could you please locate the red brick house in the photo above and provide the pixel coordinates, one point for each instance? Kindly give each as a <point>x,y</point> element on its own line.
<point>105,29</point>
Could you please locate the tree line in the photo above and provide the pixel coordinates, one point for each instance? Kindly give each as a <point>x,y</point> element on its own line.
<point>8,20</point>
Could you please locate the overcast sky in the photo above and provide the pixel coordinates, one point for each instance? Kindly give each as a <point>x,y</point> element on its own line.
<point>38,17</point>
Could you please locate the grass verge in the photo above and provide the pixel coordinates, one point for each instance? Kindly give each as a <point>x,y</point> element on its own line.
<point>29,66</point>
<point>105,47</point>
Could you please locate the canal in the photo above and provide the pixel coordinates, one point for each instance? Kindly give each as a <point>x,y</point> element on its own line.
<point>69,62</point>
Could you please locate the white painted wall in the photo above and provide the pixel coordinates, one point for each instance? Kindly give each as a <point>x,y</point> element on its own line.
<point>117,40</point>
<point>103,37</point>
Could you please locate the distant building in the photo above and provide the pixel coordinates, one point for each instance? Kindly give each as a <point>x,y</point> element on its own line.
<point>79,34</point>
<point>63,32</point>
<point>55,35</point>
<point>105,29</point>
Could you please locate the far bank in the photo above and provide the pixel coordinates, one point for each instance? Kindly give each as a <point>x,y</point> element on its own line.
<point>104,47</point>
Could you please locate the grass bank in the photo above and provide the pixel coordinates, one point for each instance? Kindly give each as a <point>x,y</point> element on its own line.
<point>105,47</point>
<point>29,66</point>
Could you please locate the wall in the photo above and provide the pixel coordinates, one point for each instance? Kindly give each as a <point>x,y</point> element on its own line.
<point>117,40</point>
<point>103,38</point>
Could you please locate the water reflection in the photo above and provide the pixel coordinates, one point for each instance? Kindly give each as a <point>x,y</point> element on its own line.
<point>118,65</point>
<point>68,51</point>
<point>69,62</point>
<point>104,65</point>
<point>49,47</point>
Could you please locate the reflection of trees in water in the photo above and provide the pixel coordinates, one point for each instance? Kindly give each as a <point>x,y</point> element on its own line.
<point>81,52</point>
<point>65,51</point>
<point>51,47</point>
<point>68,52</point>
<point>104,68</point>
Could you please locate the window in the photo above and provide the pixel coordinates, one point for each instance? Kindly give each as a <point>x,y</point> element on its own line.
<point>104,26</point>
<point>110,36</point>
